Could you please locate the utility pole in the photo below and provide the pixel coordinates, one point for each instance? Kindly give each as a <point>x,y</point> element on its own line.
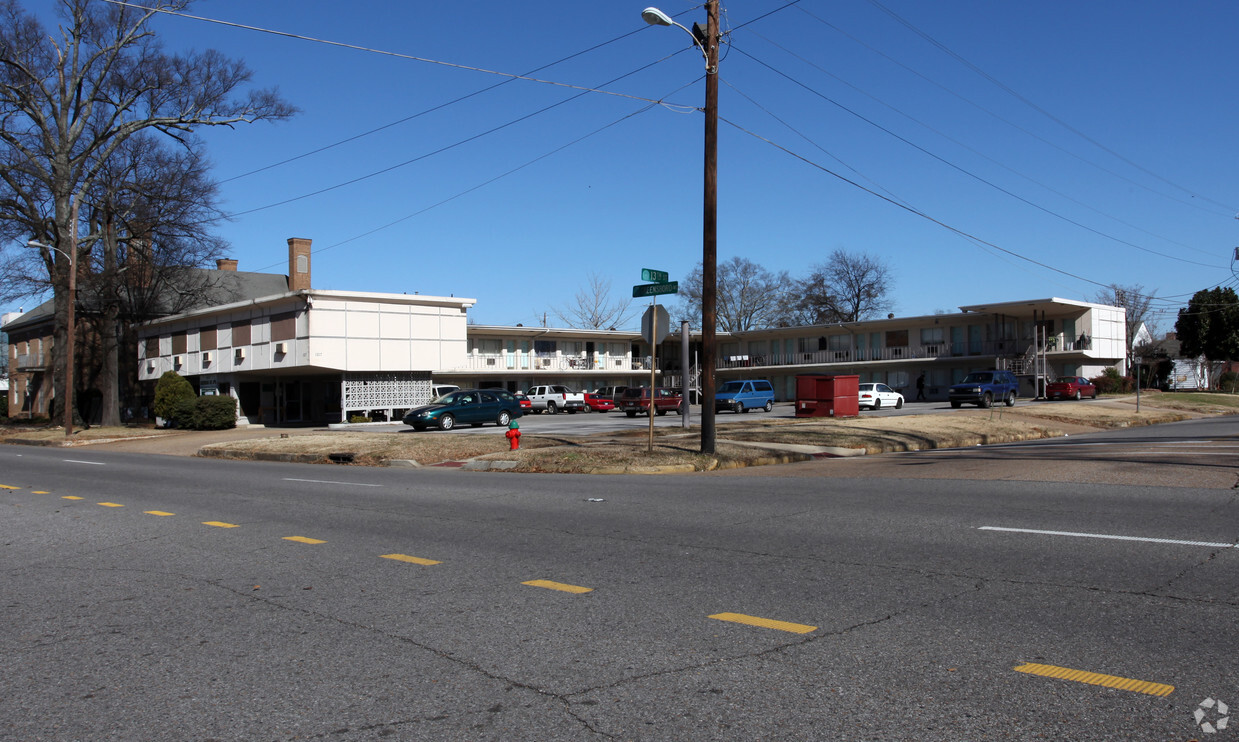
<point>709,231</point>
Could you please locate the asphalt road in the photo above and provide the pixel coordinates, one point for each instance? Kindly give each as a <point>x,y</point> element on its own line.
<point>169,603</point>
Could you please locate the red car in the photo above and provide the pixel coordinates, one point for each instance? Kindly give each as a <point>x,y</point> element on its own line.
<point>1070,387</point>
<point>598,404</point>
<point>526,405</point>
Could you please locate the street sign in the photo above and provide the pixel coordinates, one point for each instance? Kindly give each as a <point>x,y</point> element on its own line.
<point>649,274</point>
<point>655,289</point>
<point>655,324</point>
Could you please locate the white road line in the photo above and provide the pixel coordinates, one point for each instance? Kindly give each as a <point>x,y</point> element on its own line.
<point>1212,544</point>
<point>92,463</point>
<point>324,481</point>
<point>1176,453</point>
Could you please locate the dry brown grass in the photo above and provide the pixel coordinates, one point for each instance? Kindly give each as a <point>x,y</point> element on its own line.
<point>56,434</point>
<point>675,450</point>
<point>376,448</point>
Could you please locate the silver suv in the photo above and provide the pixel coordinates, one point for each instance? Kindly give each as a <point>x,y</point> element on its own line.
<point>983,388</point>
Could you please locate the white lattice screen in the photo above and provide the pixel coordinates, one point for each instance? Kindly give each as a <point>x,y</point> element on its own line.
<point>384,391</point>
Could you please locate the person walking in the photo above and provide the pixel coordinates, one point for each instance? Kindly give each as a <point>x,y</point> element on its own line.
<point>920,388</point>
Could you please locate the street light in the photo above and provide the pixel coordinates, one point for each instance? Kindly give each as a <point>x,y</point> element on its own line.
<point>707,42</point>
<point>69,330</point>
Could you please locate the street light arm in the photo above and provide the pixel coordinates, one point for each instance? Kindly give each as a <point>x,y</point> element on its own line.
<point>32,244</point>
<point>656,17</point>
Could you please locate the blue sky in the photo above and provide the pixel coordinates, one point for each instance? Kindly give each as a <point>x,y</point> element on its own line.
<point>1097,138</point>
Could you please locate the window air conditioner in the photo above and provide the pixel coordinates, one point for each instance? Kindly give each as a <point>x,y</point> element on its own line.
<point>240,354</point>
<point>206,357</point>
<point>281,347</point>
<point>176,361</point>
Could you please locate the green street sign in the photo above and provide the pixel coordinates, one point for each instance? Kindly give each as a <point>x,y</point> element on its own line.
<point>649,274</point>
<point>655,289</point>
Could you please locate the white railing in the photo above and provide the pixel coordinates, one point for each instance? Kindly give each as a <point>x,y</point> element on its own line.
<point>518,361</point>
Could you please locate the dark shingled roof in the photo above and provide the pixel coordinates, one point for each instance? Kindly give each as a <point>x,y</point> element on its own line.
<point>226,287</point>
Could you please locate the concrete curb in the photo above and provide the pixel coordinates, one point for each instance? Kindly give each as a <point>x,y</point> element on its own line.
<point>284,458</point>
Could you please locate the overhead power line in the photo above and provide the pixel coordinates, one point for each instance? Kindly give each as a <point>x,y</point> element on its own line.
<point>1021,98</point>
<point>969,173</point>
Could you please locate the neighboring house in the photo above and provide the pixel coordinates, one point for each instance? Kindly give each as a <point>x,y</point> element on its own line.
<point>30,336</point>
<point>1187,373</point>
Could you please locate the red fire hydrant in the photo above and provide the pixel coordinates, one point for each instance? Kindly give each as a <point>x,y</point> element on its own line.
<point>513,435</point>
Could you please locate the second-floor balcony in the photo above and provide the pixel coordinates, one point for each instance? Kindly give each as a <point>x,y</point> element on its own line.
<point>534,362</point>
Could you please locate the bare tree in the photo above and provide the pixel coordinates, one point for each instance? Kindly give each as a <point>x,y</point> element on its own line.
<point>1136,301</point>
<point>152,211</point>
<point>594,309</point>
<point>70,98</point>
<point>846,288</point>
<point>748,297</point>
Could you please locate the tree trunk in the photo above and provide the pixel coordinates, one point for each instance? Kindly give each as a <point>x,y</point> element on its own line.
<point>109,376</point>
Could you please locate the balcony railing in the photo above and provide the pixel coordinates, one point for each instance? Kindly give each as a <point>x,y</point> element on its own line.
<point>517,361</point>
<point>604,362</point>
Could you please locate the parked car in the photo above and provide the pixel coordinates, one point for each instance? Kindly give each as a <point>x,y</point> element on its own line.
<point>875,396</point>
<point>636,399</point>
<point>554,397</point>
<point>598,403</point>
<point>1070,387</point>
<point>983,388</point>
<point>473,406</point>
<point>523,398</point>
<point>610,392</point>
<point>438,390</point>
<point>742,396</point>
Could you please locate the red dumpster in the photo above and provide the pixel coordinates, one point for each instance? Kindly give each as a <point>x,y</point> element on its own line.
<point>827,396</point>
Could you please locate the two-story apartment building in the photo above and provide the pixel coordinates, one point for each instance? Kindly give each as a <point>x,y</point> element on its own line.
<point>293,354</point>
<point>1036,338</point>
<point>324,356</point>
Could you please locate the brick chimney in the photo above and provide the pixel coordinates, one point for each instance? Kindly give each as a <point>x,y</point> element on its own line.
<point>226,264</point>
<point>298,264</point>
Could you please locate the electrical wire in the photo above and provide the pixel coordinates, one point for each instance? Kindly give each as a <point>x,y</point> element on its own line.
<point>1015,94</point>
<point>964,171</point>
<point>430,110</point>
<point>371,50</point>
<point>978,153</point>
<point>448,147</point>
<point>916,212</point>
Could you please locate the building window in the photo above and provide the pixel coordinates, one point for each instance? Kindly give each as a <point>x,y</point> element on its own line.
<point>152,347</point>
<point>932,336</point>
<point>283,326</point>
<point>208,338</point>
<point>241,333</point>
<point>179,342</point>
<point>897,339</point>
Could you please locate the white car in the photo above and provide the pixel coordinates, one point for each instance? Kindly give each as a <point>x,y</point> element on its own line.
<point>876,396</point>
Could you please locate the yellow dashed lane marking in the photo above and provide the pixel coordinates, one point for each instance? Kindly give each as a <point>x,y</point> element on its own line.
<point>558,586</point>
<point>70,497</point>
<point>410,559</point>
<point>157,512</point>
<point>40,492</point>
<point>111,504</point>
<point>304,540</point>
<point>1093,678</point>
<point>8,487</point>
<point>218,524</point>
<point>765,623</point>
